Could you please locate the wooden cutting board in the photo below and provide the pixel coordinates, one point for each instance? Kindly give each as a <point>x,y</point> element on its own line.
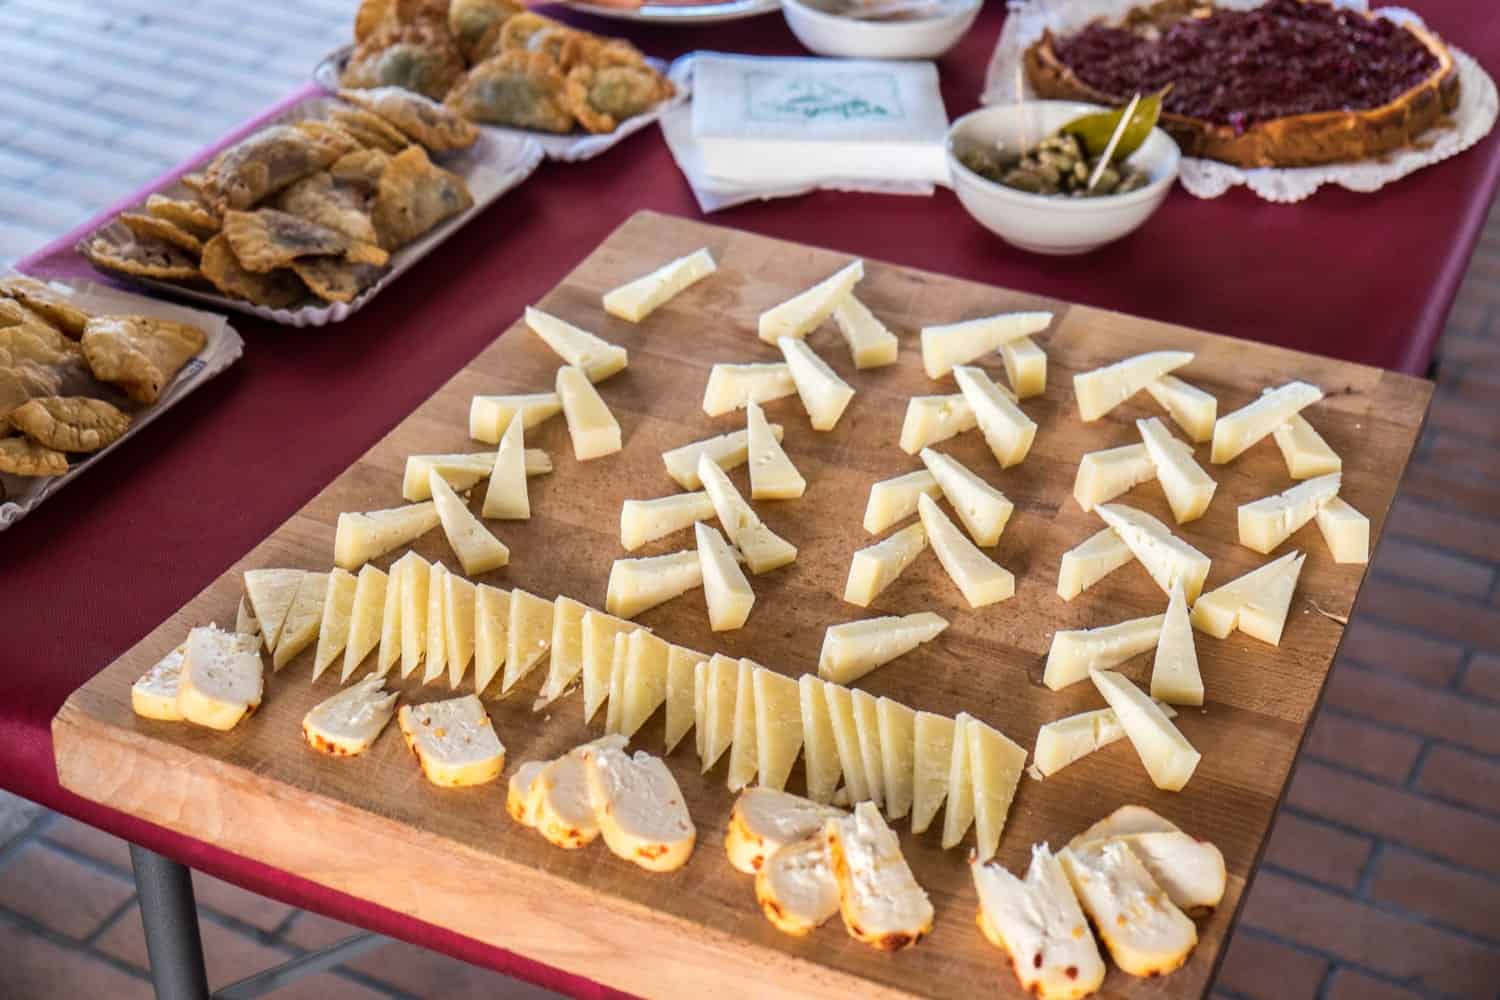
<point>371,826</point>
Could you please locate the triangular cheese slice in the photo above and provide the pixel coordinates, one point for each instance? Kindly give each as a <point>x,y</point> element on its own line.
<point>871,345</point>
<point>1190,408</point>
<point>599,358</point>
<point>825,396</point>
<point>894,500</point>
<point>1263,616</point>
<point>805,312</point>
<point>619,662</point>
<point>778,727</point>
<point>997,763</point>
<point>681,692</point>
<point>897,754</point>
<point>1169,758</point>
<point>764,550</point>
<point>1103,389</point>
<point>635,300</point>
<point>846,739</point>
<point>437,623</point>
<point>1063,741</point>
<point>721,689</point>
<point>302,620</point>
<point>772,474</point>
<point>1104,475</point>
<point>528,636</point>
<point>731,387</point>
<point>1235,432</point>
<point>1218,611</point>
<point>875,568</point>
<point>933,419</point>
<point>959,814</point>
<point>852,650</point>
<point>946,347</point>
<point>932,736</point>
<point>1165,556</point>
<point>638,585</point>
<point>1346,531</point>
<point>646,670</point>
<point>744,754</point>
<point>1307,454</point>
<point>1075,652</point>
<point>643,521</point>
<point>1269,521</point>
<point>981,580</point>
<point>359,538</point>
<point>271,592</point>
<point>506,497</point>
<point>820,750</point>
<point>1025,366</point>
<point>415,575</point>
<point>983,509</point>
<point>1188,488</point>
<point>333,628</point>
<point>458,616</point>
<point>461,470</point>
<point>726,592</point>
<point>245,622</point>
<point>366,618</point>
<point>390,618</point>
<point>566,662</point>
<point>1091,561</point>
<point>1174,674</point>
<point>477,550</point>
<point>489,416</point>
<point>1008,431</point>
<point>867,731</point>
<point>597,636</point>
<point>727,451</point>
<point>491,629</point>
<point>593,429</point>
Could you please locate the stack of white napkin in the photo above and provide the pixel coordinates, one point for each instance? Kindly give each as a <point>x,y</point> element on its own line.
<point>761,128</point>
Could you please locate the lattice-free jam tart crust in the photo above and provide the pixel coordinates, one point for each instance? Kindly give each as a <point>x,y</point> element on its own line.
<point>1291,83</point>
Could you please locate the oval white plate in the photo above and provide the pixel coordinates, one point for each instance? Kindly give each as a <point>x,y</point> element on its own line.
<point>707,13</point>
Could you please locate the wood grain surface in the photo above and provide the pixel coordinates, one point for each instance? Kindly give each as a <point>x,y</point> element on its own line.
<point>372,827</point>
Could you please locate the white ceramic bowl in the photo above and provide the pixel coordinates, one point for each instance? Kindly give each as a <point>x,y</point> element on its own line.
<point>1052,224</point>
<point>847,38</point>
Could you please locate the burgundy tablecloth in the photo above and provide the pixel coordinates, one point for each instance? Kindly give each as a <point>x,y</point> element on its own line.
<point>1364,277</point>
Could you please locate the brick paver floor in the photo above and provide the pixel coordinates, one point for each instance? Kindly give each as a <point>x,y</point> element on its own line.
<point>1382,880</point>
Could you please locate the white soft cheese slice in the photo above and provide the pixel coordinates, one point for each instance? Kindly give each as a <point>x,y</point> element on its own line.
<point>477,549</point>
<point>879,898</point>
<point>637,585</point>
<point>302,620</point>
<point>642,812</point>
<point>454,741</point>
<point>1091,561</point>
<point>796,888</point>
<point>726,592</point>
<point>853,649</point>
<point>824,395</point>
<point>805,312</point>
<point>1306,453</point>
<point>1075,652</point>
<point>980,579</point>
<point>1145,932</point>
<point>1025,366</point>
<point>846,739</point>
<point>489,416</point>
<point>491,627</point>
<point>338,611</point>
<point>222,678</point>
<point>154,695</point>
<point>945,347</point>
<point>645,680</point>
<point>820,752</point>
<point>772,474</point>
<point>871,344</point>
<point>1175,677</point>
<point>459,599</point>
<point>763,549</point>
<point>997,763</point>
<point>359,538</point>
<point>1040,926</point>
<point>1007,430</point>
<point>720,689</point>
<point>350,721</point>
<point>1266,590</point>
<point>983,509</point>
<point>933,419</point>
<point>778,727</point>
<point>727,451</point>
<point>416,574</point>
<point>893,500</point>
<point>506,497</point>
<point>528,636</point>
<point>1169,758</point>
<point>731,387</point>
<point>565,813</point>
<point>1064,741</point>
<point>932,736</point>
<point>1190,407</point>
<point>876,567</point>
<point>1165,556</point>
<point>597,633</point>
<point>897,727</point>
<point>271,592</point>
<point>579,348</point>
<point>1235,432</point>
<point>1346,531</point>
<point>1103,389</point>
<point>682,715</point>
<point>461,470</point>
<point>1191,871</point>
<point>867,732</point>
<point>1126,821</point>
<point>435,663</point>
<point>593,429</point>
<point>635,300</point>
<point>744,752</point>
<point>366,623</point>
<point>1104,475</point>
<point>958,816</point>
<point>522,792</point>
<point>1188,488</point>
<point>643,521</point>
<point>1269,521</point>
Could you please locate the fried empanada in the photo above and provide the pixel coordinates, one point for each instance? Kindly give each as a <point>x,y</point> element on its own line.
<point>276,289</point>
<point>419,56</point>
<point>603,97</point>
<point>139,354</point>
<point>335,279</point>
<point>70,423</point>
<point>370,15</point>
<point>415,196</point>
<point>331,134</point>
<point>267,239</point>
<point>184,214</point>
<point>372,131</point>
<point>469,20</point>
<point>265,163</point>
<point>515,88</point>
<point>140,257</point>
<point>36,359</point>
<point>361,170</point>
<point>46,302</point>
<point>420,118</point>
<point>152,227</point>
<point>21,456</point>
<point>344,208</point>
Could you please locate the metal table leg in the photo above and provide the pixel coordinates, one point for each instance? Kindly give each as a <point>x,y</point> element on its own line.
<point>170,918</point>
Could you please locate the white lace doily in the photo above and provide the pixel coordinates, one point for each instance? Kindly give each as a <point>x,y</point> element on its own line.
<point>1478,104</point>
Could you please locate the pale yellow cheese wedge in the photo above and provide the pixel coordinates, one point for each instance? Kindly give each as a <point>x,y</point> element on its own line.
<point>1040,926</point>
<point>867,732</point>
<point>1008,431</point>
<point>1103,389</point>
<point>681,690</point>
<point>348,723</point>
<point>763,549</point>
<point>1188,488</point>
<point>731,387</point>
<point>1306,453</point>
<point>725,589</point>
<point>980,579</point>
<point>897,727</point>
<point>365,619</point>
<point>222,678</point>
<point>271,592</point>
<point>645,680</point>
<point>360,538</point>
<point>824,395</point>
<point>435,662</point>
<point>619,661</point>
<point>637,585</point>
<point>302,620</point>
<point>1346,531</point>
<point>796,888</point>
<point>478,550</point>
<point>772,474</point>
<point>597,634</point>
<point>853,649</point>
<point>1190,408</point>
<point>390,617</point>
<point>1235,432</point>
<point>744,752</point>
<point>459,598</point>
<point>565,659</point>
<point>1175,678</point>
<point>489,416</point>
<point>593,429</point>
<point>721,687</point>
<point>931,420</point>
<point>1269,521</point>
<point>154,694</point>
<point>983,509</point>
<point>778,727</point>
<point>1268,590</point>
<point>880,901</point>
<point>841,715</point>
<point>454,741</point>
<point>642,812</point>
<point>958,815</point>
<point>1025,366</point>
<point>893,500</point>
<point>871,344</point>
<point>333,626</point>
<point>945,347</point>
<point>1165,556</point>
<point>1091,561</point>
<point>506,497</point>
<point>1075,652</point>
<point>1064,741</point>
<point>1169,758</point>
<point>461,470</point>
<point>528,636</point>
<point>245,622</point>
<point>416,574</point>
<point>932,736</point>
<point>491,627</point>
<point>875,568</point>
<point>997,764</point>
<point>727,451</point>
<point>598,358</point>
<point>1144,931</point>
<point>522,792</point>
<point>805,312</point>
<point>635,300</point>
<point>820,752</point>
<point>1104,475</point>
<point>643,521</point>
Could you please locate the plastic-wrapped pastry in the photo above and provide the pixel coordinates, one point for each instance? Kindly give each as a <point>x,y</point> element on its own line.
<point>419,56</point>
<point>420,118</point>
<point>275,289</point>
<point>520,89</point>
<point>415,196</point>
<point>342,207</point>
<point>603,97</point>
<point>263,164</point>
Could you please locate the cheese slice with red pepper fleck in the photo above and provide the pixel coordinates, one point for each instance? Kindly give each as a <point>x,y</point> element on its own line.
<point>454,741</point>
<point>1037,921</point>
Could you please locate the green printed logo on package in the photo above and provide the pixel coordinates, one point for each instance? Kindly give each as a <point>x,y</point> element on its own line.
<point>836,97</point>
